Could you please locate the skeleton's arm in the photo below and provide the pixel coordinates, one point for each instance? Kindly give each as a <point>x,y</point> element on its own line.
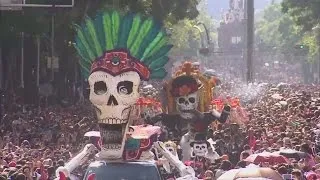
<point>212,154</point>
<point>186,172</point>
<point>76,161</point>
<point>223,116</point>
<point>153,120</point>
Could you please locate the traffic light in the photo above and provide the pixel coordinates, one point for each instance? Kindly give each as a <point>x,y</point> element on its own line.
<point>300,46</point>
<point>301,49</point>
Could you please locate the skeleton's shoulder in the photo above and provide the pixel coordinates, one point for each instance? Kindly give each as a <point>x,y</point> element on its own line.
<point>164,116</point>
<point>209,116</point>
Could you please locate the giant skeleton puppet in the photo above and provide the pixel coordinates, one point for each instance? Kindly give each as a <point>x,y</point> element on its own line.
<point>117,52</point>
<point>188,97</point>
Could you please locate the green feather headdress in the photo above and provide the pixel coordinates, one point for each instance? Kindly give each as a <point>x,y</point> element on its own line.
<point>115,43</point>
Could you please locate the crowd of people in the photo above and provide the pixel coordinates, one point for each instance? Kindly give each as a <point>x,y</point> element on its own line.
<point>281,117</point>
<point>35,141</point>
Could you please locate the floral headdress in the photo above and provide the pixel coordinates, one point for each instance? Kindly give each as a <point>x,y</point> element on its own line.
<point>184,85</point>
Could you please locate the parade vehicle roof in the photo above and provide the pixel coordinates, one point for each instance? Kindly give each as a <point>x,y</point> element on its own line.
<point>123,170</point>
<point>100,163</point>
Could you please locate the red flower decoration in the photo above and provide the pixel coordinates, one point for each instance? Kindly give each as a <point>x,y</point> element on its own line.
<point>184,90</point>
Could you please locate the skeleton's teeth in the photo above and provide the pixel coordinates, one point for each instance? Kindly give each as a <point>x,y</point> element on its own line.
<point>112,146</point>
<point>112,134</point>
<point>114,121</point>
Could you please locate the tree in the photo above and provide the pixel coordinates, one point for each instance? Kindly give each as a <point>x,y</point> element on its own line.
<point>205,18</point>
<point>37,21</point>
<point>184,36</point>
<point>277,30</point>
<point>304,13</point>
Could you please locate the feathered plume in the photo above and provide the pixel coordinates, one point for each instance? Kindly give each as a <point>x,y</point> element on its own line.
<point>143,38</point>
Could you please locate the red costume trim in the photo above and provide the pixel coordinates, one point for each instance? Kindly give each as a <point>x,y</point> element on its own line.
<point>119,61</point>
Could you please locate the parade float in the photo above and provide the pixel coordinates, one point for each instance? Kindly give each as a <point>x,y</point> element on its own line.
<point>187,103</point>
<point>117,52</point>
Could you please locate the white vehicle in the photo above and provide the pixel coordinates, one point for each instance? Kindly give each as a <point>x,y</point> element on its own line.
<point>134,170</point>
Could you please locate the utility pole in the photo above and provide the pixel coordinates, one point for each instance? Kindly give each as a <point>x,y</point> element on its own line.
<point>317,33</point>
<point>1,73</point>
<point>22,61</point>
<point>250,39</point>
<point>52,44</point>
<point>38,60</point>
<point>1,69</point>
<point>318,41</point>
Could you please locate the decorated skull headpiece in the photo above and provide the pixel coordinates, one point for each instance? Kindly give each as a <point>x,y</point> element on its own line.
<point>117,52</point>
<point>185,91</point>
<point>200,145</point>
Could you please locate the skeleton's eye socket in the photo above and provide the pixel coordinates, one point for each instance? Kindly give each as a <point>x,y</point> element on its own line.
<point>197,147</point>
<point>192,100</point>
<point>203,147</point>
<point>181,100</point>
<point>100,87</point>
<point>170,150</point>
<point>125,87</point>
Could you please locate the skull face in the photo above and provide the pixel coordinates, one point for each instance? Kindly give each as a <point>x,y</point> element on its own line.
<point>185,104</point>
<point>171,146</point>
<point>200,149</point>
<point>113,98</point>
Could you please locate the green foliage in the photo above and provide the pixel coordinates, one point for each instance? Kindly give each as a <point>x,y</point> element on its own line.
<point>276,29</point>
<point>185,35</point>
<point>37,21</point>
<point>304,13</point>
<point>28,21</point>
<point>181,34</point>
<point>310,41</point>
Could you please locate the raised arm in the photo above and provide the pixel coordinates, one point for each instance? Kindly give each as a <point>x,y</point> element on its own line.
<point>223,116</point>
<point>186,172</point>
<point>153,120</point>
<point>76,161</point>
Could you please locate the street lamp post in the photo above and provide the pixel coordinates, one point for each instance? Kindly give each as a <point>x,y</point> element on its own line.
<point>250,38</point>
<point>201,40</point>
<point>207,32</point>
<point>204,50</point>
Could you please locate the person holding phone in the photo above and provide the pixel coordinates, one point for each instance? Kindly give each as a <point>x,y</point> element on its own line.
<point>288,177</point>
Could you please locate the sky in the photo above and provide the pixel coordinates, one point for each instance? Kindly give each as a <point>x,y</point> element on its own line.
<point>215,6</point>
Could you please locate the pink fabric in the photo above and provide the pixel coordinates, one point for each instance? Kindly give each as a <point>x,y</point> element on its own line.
<point>145,132</point>
<point>252,141</point>
<point>311,175</point>
<point>309,161</point>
